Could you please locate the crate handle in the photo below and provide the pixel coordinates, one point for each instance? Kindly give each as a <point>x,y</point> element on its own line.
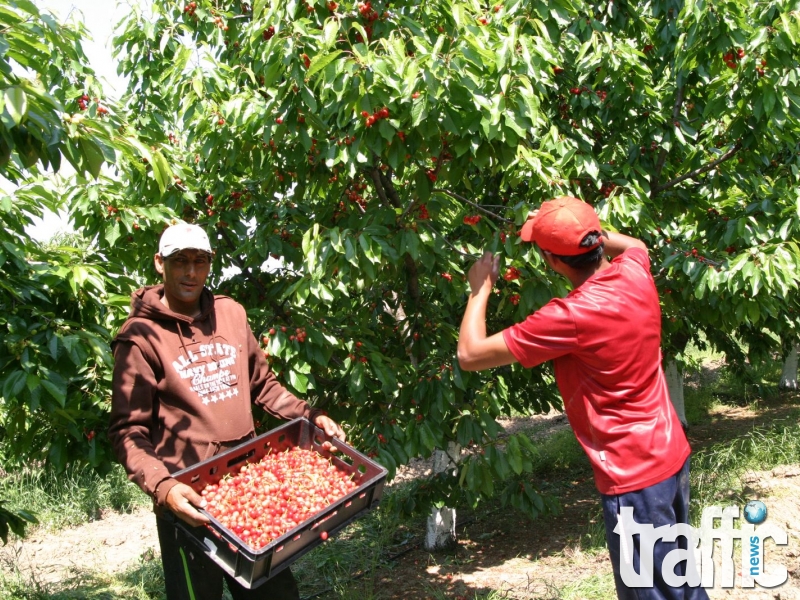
<point>241,457</point>
<point>344,458</point>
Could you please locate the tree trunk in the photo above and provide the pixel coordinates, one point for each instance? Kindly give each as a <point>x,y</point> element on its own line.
<point>675,387</point>
<point>441,530</point>
<point>440,533</point>
<point>789,375</point>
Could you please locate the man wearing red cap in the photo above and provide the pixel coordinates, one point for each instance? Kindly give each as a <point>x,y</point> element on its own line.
<point>604,339</point>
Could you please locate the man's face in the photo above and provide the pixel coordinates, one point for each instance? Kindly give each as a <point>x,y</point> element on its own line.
<point>184,273</point>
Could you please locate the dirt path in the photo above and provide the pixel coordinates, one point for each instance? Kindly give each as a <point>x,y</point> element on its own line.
<point>111,544</point>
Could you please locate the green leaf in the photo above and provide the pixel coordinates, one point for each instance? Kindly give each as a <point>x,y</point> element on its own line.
<point>418,111</point>
<point>58,392</point>
<point>258,8</point>
<point>112,233</point>
<point>161,171</point>
<point>16,103</point>
<point>197,85</point>
<point>428,439</point>
<point>298,381</point>
<point>319,62</point>
<point>93,156</point>
<point>514,455</point>
<point>14,384</point>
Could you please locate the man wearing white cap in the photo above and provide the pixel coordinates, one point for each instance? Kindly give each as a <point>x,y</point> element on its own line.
<point>187,369</point>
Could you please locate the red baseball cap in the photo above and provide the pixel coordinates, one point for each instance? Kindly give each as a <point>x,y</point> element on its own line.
<point>560,225</point>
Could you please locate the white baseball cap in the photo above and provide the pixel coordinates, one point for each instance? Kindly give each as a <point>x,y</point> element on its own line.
<point>183,236</point>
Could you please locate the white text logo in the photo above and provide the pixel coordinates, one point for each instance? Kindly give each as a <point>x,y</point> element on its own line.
<point>753,559</point>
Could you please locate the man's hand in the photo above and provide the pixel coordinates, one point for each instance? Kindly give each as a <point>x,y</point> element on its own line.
<point>182,501</point>
<point>475,350</point>
<point>331,428</point>
<point>484,273</point>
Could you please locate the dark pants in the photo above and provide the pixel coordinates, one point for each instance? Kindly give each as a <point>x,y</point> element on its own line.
<point>665,503</point>
<point>191,575</point>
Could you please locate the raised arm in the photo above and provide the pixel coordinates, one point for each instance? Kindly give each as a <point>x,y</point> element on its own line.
<point>476,351</point>
<point>616,243</point>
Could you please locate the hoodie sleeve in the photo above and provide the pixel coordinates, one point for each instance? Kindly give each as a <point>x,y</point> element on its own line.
<point>132,401</point>
<point>268,393</point>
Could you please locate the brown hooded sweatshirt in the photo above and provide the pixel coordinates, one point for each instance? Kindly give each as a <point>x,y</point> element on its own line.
<point>183,387</point>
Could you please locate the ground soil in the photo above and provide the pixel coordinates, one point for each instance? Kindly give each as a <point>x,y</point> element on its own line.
<point>498,549</point>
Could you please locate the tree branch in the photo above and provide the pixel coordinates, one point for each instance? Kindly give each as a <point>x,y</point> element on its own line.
<point>277,309</point>
<point>471,203</point>
<point>699,171</point>
<point>375,175</point>
<point>662,157</point>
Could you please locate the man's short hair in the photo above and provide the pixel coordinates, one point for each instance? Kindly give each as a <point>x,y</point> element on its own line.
<point>587,259</point>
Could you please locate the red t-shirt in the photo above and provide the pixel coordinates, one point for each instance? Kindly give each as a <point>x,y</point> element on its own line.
<point>604,339</point>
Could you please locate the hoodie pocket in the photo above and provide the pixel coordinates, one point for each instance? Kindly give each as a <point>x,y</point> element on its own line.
<point>214,448</point>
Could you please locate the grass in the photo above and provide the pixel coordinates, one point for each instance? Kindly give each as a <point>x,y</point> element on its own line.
<point>596,587</point>
<point>717,471</point>
<point>71,498</point>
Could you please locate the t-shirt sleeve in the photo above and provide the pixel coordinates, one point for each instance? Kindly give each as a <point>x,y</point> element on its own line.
<point>548,333</point>
<point>637,255</point>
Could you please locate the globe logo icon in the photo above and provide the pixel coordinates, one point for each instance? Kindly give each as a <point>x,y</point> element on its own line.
<point>755,512</point>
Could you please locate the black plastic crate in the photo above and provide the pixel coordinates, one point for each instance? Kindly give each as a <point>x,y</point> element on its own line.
<point>252,568</point>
